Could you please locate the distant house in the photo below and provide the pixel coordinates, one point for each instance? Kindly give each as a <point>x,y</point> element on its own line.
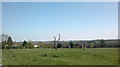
<point>15,45</point>
<point>35,45</point>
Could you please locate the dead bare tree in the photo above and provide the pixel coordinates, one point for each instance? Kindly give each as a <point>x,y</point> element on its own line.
<point>58,39</point>
<point>56,42</point>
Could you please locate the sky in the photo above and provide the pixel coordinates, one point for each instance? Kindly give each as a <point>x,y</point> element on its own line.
<point>40,21</point>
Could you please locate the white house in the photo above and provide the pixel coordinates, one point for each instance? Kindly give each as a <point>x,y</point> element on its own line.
<point>35,45</point>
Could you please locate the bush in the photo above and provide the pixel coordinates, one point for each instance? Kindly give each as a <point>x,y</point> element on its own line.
<point>8,47</point>
<point>71,44</point>
<point>45,47</point>
<point>18,47</point>
<point>30,46</point>
<point>91,45</point>
<point>59,45</point>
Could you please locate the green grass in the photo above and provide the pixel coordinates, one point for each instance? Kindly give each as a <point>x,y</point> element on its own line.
<point>90,56</point>
<point>0,56</point>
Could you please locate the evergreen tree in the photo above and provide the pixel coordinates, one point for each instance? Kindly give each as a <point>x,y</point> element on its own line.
<point>59,45</point>
<point>24,44</point>
<point>102,43</point>
<point>9,41</point>
<point>71,44</point>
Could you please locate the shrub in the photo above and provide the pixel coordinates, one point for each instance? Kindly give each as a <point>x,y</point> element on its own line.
<point>59,45</point>
<point>8,46</point>
<point>71,44</point>
<point>30,46</point>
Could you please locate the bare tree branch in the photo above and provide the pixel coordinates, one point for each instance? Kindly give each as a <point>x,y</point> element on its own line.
<point>56,42</point>
<point>59,38</point>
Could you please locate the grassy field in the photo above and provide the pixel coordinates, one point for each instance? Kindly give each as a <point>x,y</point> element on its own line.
<point>0,56</point>
<point>90,56</point>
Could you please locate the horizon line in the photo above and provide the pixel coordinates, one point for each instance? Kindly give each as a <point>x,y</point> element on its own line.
<point>72,40</point>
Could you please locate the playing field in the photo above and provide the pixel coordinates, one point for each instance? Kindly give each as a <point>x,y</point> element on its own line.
<point>63,56</point>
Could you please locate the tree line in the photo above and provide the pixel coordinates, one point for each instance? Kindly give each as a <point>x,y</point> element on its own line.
<point>7,43</point>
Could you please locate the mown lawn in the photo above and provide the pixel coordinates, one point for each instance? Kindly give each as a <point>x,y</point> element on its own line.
<point>75,56</point>
<point>0,56</point>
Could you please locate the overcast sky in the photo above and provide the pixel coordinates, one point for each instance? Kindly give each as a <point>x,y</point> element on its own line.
<point>73,20</point>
